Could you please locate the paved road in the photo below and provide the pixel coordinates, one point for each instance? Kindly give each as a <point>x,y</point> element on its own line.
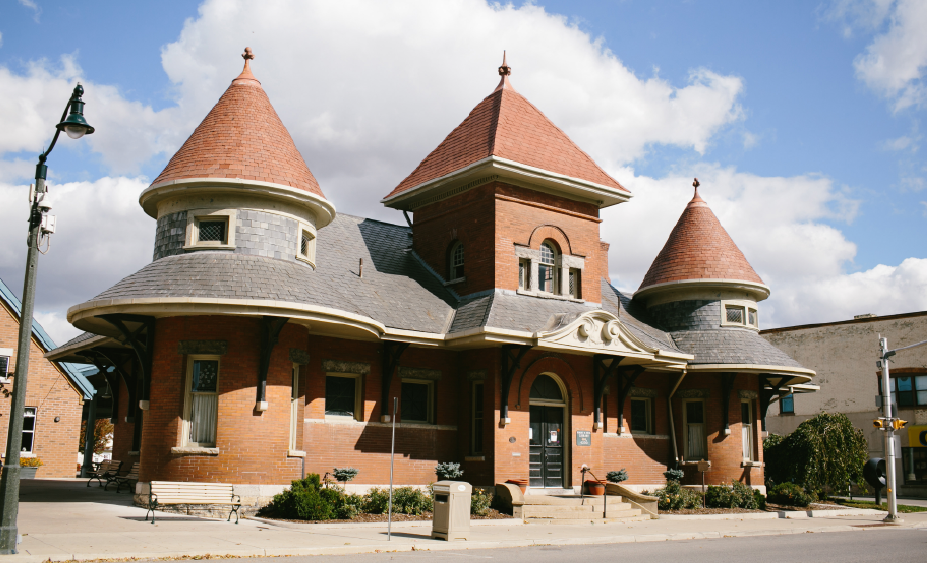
<point>895,545</point>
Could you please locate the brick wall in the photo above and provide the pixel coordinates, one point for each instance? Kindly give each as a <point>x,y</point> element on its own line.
<point>490,220</point>
<point>52,395</point>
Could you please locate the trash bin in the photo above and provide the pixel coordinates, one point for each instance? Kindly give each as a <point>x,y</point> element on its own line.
<point>452,510</point>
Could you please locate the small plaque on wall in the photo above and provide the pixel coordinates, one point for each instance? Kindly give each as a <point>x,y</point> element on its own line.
<point>583,438</point>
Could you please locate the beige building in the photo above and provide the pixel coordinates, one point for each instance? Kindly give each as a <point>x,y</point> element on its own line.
<point>844,355</point>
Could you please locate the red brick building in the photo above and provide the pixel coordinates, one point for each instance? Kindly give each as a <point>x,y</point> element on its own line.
<point>270,334</point>
<point>55,395</point>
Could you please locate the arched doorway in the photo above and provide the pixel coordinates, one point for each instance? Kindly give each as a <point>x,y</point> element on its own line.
<point>548,433</point>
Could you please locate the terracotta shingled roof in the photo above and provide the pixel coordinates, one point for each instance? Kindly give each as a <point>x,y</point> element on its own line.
<point>242,137</point>
<point>507,125</point>
<point>699,248</point>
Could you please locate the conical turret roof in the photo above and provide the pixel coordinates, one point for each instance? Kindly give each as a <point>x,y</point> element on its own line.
<point>699,249</point>
<point>242,137</point>
<point>507,125</point>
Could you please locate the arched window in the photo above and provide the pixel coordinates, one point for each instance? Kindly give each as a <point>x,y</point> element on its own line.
<point>548,272</point>
<point>456,261</point>
<point>545,388</point>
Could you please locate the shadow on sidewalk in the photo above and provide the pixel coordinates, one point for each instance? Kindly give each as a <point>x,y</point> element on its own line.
<point>70,490</point>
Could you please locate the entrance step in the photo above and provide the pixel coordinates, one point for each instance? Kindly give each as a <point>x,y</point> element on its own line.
<point>578,522</point>
<point>573,509</point>
<point>570,500</point>
<point>553,511</point>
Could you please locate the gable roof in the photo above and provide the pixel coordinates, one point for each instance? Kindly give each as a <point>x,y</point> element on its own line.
<point>699,249</point>
<point>242,137</point>
<point>72,371</point>
<point>507,125</point>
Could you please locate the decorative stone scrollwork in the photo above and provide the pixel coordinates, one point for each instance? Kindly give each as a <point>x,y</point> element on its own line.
<point>611,331</point>
<point>586,328</point>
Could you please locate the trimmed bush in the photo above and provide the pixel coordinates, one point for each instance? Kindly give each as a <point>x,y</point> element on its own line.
<point>760,499</point>
<point>480,501</point>
<point>616,476</point>
<point>737,495</point>
<point>674,475</point>
<point>376,501</point>
<point>674,497</point>
<point>448,471</point>
<point>409,500</point>
<point>789,494</point>
<point>345,474</point>
<point>304,500</point>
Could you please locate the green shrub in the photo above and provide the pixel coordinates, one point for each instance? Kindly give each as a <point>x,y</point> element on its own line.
<point>824,453</point>
<point>376,501</point>
<point>344,474</point>
<point>616,476</point>
<point>409,500</point>
<point>448,471</point>
<point>674,497</point>
<point>737,495</point>
<point>304,500</point>
<point>760,499</point>
<point>480,501</point>
<point>789,494</point>
<point>674,475</point>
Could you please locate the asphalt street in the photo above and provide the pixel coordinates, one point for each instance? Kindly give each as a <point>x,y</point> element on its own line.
<point>867,545</point>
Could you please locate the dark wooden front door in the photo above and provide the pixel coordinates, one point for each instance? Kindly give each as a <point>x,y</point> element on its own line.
<point>546,461</point>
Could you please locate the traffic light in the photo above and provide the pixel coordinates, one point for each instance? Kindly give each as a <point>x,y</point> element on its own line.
<point>880,423</point>
<point>898,424</point>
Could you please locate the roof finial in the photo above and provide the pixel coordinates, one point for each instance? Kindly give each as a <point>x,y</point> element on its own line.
<point>246,72</point>
<point>504,71</point>
<point>696,198</point>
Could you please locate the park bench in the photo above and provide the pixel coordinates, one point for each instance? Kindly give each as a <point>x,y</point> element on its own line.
<point>169,492</point>
<point>106,470</point>
<point>128,479</point>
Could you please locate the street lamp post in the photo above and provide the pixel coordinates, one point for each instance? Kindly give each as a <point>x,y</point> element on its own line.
<point>41,225</point>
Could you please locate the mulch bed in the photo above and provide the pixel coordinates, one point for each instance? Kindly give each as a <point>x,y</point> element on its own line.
<point>770,507</point>
<point>365,517</point>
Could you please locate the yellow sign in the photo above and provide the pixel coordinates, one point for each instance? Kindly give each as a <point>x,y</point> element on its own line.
<point>917,436</point>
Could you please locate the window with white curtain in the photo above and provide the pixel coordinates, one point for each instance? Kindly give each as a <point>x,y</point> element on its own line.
<point>695,430</point>
<point>294,406</point>
<point>201,407</point>
<point>746,417</point>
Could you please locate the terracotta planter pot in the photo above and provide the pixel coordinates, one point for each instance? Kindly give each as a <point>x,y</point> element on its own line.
<point>595,488</point>
<point>521,483</point>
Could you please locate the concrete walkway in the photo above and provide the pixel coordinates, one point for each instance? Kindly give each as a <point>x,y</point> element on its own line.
<point>63,520</point>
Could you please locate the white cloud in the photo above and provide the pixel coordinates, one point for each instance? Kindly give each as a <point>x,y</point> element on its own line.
<point>895,61</point>
<point>102,236</point>
<point>127,133</point>
<point>57,326</point>
<point>36,9</point>
<point>900,143</point>
<point>924,203</point>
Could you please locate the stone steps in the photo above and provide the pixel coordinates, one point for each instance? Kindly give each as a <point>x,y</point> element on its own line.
<point>619,518</point>
<point>571,509</point>
<point>555,511</point>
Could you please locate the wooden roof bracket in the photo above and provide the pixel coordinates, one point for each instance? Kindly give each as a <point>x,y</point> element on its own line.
<point>270,335</point>
<point>512,355</point>
<point>143,347</point>
<point>392,351</point>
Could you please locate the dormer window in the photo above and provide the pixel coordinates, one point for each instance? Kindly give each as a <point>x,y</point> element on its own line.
<point>739,313</point>
<point>212,231</point>
<point>547,269</point>
<point>456,261</point>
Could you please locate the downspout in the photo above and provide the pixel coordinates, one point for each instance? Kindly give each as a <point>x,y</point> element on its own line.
<point>669,409</point>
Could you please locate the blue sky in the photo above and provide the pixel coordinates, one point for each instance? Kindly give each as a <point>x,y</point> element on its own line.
<point>813,148</point>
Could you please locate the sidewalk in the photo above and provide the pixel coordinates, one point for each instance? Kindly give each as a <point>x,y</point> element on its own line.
<point>63,520</point>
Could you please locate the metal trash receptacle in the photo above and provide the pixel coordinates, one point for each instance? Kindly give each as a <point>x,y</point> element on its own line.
<point>452,510</point>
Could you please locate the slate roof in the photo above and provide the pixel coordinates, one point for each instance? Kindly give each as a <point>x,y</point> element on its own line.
<point>396,289</point>
<point>507,125</point>
<point>72,371</point>
<point>731,346</point>
<point>699,248</point>
<point>242,137</point>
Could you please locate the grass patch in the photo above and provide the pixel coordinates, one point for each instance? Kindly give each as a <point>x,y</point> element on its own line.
<point>904,508</point>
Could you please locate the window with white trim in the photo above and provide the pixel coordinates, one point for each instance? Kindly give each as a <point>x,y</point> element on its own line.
<point>477,397</point>
<point>548,272</point>
<point>201,405</point>
<point>210,228</point>
<point>6,363</point>
<point>294,405</point>
<point>456,261</point>
<point>343,395</point>
<point>746,422</point>
<point>696,440</point>
<point>640,415</point>
<point>29,417</point>
<point>739,313</point>
<point>417,401</point>
<point>307,245</point>
<point>576,283</point>
<point>524,274</point>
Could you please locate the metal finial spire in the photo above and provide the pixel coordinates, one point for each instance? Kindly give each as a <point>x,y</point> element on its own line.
<point>505,69</point>
<point>247,55</point>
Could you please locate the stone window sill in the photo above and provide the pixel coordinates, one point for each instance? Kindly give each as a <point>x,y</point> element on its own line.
<point>748,463</point>
<point>195,450</point>
<point>191,247</point>
<point>295,453</point>
<point>690,463</point>
<point>134,453</point>
<point>545,295</point>
<point>475,458</point>
<point>455,281</point>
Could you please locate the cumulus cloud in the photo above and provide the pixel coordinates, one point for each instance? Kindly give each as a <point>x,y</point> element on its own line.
<point>894,63</point>
<point>102,236</point>
<point>36,9</point>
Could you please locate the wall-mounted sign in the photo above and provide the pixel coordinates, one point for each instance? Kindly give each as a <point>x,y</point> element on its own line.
<point>583,438</point>
<point>917,436</point>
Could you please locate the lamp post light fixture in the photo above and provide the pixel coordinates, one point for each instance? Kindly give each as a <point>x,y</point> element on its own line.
<point>41,226</point>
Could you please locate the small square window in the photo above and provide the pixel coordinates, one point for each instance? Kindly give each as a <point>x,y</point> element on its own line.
<point>640,415</point>
<point>751,315</point>
<point>524,274</point>
<point>575,283</point>
<point>307,246</point>
<point>735,315</point>
<point>211,231</point>
<point>416,401</point>
<point>787,405</point>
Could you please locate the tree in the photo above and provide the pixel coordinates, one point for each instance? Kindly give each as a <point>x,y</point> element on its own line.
<point>824,453</point>
<point>103,433</point>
